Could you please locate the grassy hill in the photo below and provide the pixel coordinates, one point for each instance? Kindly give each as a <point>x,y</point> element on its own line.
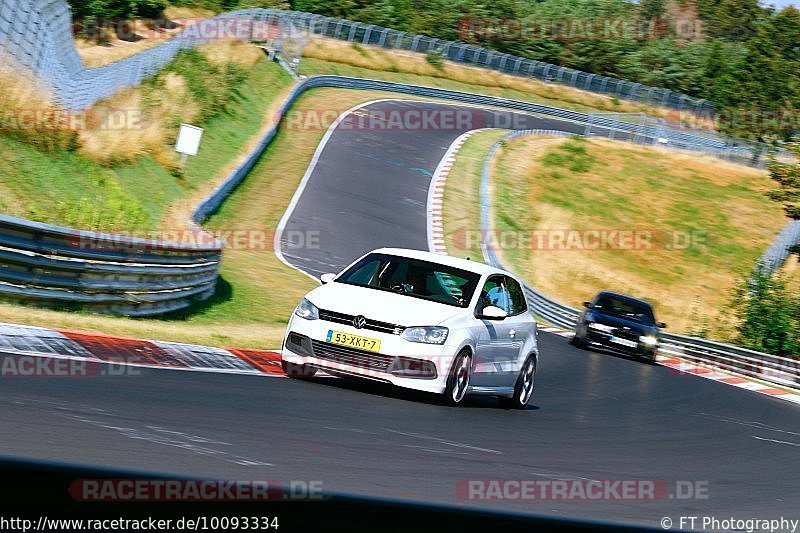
<point>701,222</point>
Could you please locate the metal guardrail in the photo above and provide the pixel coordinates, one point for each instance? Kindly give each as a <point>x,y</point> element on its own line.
<point>136,277</point>
<point>159,286</point>
<point>777,253</point>
<point>37,34</point>
<point>41,263</point>
<point>640,133</point>
<point>781,371</point>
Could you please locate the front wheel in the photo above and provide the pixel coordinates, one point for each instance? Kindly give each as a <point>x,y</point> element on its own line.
<point>297,370</point>
<point>579,341</point>
<point>523,388</point>
<point>458,381</point>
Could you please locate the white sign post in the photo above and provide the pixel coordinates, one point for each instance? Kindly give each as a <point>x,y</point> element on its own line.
<point>188,141</point>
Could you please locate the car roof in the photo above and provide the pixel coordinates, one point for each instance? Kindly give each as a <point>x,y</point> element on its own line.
<point>624,297</point>
<point>444,259</point>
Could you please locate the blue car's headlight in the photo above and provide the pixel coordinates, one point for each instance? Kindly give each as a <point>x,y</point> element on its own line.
<point>307,310</point>
<point>601,327</point>
<point>425,334</point>
<point>648,340</point>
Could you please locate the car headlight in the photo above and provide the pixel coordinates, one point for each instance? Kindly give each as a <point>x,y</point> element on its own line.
<point>648,340</point>
<point>307,310</point>
<point>426,334</point>
<point>601,327</point>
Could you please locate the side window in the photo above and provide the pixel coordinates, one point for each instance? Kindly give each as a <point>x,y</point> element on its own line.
<point>494,293</point>
<point>517,297</point>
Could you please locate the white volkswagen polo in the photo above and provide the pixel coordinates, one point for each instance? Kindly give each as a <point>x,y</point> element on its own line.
<point>418,320</point>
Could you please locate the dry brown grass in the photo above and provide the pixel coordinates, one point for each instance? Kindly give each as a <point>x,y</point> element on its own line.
<point>28,113</point>
<point>791,273</point>
<point>633,187</point>
<point>96,55</point>
<point>461,207</point>
<point>245,334</point>
<point>223,52</point>
<point>147,126</point>
<point>264,289</point>
<point>123,131</point>
<point>376,58</point>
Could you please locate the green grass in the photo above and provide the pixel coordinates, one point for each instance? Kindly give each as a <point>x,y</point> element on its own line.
<point>461,206</point>
<point>256,292</point>
<point>67,188</point>
<point>708,221</point>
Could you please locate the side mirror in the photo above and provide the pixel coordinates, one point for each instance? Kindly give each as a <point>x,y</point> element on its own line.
<point>588,305</point>
<point>327,278</point>
<point>660,325</point>
<point>491,312</point>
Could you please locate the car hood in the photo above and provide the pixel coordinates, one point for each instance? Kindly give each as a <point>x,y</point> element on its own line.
<point>381,305</point>
<point>622,323</point>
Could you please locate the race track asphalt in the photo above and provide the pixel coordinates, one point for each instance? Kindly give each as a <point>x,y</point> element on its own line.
<point>369,186</point>
<point>594,416</point>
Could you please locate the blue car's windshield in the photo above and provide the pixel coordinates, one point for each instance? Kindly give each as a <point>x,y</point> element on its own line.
<point>625,308</point>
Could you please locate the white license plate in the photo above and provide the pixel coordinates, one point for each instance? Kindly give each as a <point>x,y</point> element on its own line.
<point>623,342</point>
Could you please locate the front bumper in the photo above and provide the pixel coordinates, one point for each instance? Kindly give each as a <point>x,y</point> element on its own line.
<point>628,346</point>
<point>406,364</point>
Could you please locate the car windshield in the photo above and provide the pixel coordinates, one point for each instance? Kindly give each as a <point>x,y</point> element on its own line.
<point>413,277</point>
<point>629,309</point>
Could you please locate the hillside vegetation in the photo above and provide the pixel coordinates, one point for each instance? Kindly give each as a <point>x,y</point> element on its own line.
<point>118,171</point>
<point>739,55</point>
<point>701,222</point>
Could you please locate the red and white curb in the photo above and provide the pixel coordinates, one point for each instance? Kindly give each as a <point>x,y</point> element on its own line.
<point>106,349</point>
<point>685,367</point>
<point>436,194</point>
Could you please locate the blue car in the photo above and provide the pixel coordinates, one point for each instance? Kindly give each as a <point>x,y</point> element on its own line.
<point>619,323</point>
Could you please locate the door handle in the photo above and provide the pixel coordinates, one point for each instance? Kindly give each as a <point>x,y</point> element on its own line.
<point>512,333</point>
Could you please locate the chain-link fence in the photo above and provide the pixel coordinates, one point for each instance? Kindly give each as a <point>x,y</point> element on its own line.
<point>37,33</point>
<point>490,59</point>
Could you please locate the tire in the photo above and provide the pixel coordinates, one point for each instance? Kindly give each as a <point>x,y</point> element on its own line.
<point>578,342</point>
<point>297,371</point>
<point>458,380</point>
<point>523,388</point>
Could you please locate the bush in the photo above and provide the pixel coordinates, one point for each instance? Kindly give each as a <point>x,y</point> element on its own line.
<point>435,60</point>
<point>768,314</point>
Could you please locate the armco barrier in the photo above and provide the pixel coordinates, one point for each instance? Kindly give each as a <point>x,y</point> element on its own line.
<point>781,371</point>
<point>154,287</point>
<point>101,272</point>
<point>37,34</point>
<point>641,133</point>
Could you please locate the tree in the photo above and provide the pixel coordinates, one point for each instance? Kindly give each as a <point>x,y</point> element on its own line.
<point>329,8</point>
<point>735,20</point>
<point>117,9</point>
<point>788,177</point>
<point>768,313</point>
